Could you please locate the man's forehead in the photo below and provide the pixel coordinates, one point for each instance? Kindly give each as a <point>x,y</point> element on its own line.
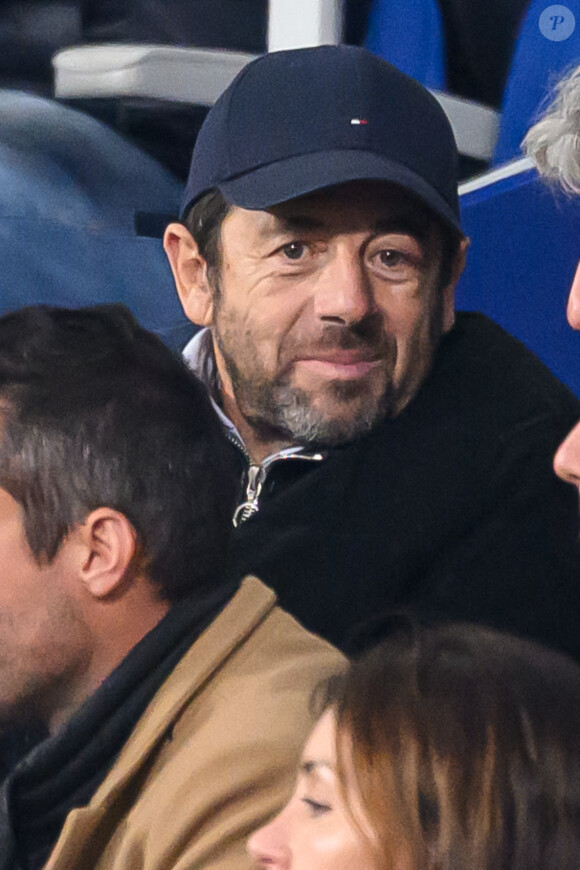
<point>378,206</point>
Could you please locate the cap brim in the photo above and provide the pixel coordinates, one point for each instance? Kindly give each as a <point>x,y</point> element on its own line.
<point>296,176</point>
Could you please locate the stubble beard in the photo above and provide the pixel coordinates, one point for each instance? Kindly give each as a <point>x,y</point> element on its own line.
<point>33,681</point>
<point>280,408</point>
<point>276,409</point>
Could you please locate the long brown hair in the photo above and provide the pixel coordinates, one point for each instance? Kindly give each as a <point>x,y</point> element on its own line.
<point>465,746</point>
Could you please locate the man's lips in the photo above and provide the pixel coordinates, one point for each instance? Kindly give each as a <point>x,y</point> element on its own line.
<point>339,364</point>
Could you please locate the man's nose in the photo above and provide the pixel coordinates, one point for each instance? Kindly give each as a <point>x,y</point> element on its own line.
<point>268,847</point>
<point>567,459</point>
<point>573,310</point>
<point>343,291</point>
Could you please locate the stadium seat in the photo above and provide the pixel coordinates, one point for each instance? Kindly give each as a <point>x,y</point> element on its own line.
<point>169,73</point>
<point>522,258</point>
<point>69,190</point>
<point>538,63</point>
<point>157,94</point>
<point>409,35</point>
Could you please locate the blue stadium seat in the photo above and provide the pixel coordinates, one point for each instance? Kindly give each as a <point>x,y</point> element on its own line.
<point>523,255</point>
<point>538,63</point>
<point>69,190</point>
<point>409,34</point>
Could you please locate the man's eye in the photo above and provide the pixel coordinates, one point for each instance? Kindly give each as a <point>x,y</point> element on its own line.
<point>316,808</point>
<point>294,250</point>
<point>391,258</point>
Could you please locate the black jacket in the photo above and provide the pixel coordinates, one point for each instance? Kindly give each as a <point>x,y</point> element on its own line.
<point>452,509</point>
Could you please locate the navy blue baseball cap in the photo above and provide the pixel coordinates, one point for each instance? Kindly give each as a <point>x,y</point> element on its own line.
<point>293,122</point>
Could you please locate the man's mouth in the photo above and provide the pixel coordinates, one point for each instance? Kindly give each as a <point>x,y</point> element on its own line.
<point>338,365</point>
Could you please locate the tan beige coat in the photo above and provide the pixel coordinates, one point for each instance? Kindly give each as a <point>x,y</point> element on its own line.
<point>213,755</point>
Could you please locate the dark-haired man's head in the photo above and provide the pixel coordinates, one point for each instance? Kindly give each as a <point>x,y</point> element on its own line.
<point>116,494</point>
<point>320,243</point>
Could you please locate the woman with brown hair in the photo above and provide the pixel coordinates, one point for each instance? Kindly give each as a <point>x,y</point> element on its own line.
<point>443,748</point>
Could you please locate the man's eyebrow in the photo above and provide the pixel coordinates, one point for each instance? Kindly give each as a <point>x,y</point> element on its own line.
<point>406,226</point>
<point>297,223</point>
<point>294,223</point>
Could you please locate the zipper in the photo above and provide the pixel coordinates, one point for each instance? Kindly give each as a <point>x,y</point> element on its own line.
<point>250,506</point>
<point>202,363</point>
<point>257,475</point>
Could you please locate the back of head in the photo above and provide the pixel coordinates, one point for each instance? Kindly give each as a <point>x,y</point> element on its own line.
<point>553,143</point>
<point>96,411</point>
<point>465,744</point>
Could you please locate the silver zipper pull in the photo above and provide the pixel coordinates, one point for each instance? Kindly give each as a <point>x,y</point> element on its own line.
<point>253,489</point>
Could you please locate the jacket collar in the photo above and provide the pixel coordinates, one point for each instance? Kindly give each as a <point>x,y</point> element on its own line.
<point>198,353</point>
<point>241,616</point>
<point>199,356</point>
<point>65,770</point>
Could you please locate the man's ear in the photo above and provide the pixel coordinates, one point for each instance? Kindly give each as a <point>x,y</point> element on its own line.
<point>190,274</point>
<point>457,267</point>
<point>108,543</point>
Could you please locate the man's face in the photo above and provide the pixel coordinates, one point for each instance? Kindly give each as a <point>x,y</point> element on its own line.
<point>567,460</point>
<point>328,311</point>
<point>43,638</point>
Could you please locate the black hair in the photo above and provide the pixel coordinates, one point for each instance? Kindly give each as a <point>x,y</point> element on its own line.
<point>450,241</point>
<point>96,411</point>
<point>204,221</point>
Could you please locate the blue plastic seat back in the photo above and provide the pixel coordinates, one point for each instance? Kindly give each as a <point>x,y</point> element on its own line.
<point>525,245</point>
<point>409,34</point>
<point>69,190</point>
<point>539,61</point>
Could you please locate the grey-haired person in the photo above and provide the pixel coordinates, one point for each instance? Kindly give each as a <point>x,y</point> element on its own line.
<point>554,145</point>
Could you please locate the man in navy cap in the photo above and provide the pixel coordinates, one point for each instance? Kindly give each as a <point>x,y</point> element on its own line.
<point>394,453</point>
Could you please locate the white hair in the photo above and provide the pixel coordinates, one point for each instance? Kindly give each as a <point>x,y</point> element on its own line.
<point>554,142</point>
